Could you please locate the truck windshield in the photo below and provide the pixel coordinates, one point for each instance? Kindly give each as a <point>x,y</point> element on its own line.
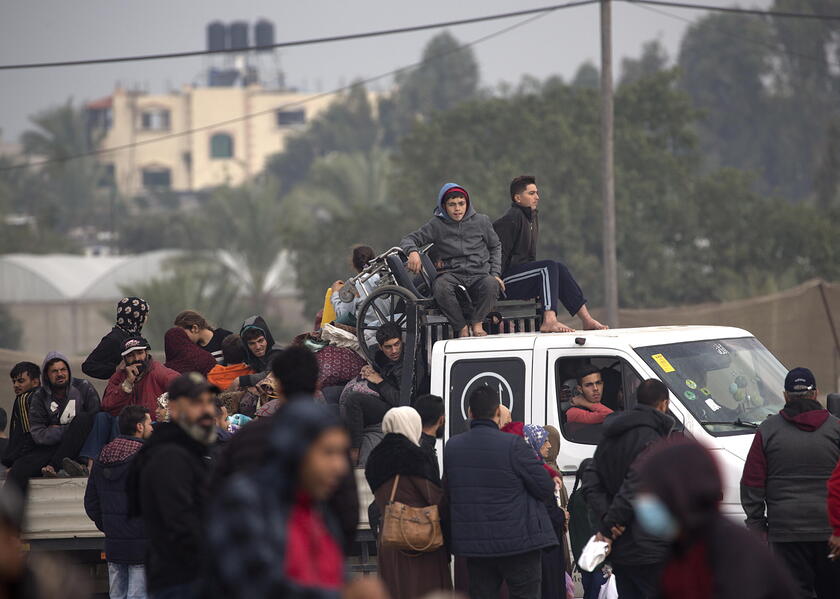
<point>729,385</point>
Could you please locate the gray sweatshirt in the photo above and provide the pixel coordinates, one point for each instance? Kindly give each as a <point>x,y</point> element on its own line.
<point>469,247</point>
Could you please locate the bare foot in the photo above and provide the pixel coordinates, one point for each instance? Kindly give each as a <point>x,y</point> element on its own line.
<point>555,327</point>
<point>465,332</point>
<point>48,472</point>
<point>590,324</point>
<point>478,330</point>
<point>354,457</point>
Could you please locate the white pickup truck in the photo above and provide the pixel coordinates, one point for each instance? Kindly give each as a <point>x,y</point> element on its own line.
<point>723,383</point>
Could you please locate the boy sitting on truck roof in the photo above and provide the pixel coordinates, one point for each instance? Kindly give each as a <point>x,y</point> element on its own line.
<point>524,276</point>
<point>471,253</point>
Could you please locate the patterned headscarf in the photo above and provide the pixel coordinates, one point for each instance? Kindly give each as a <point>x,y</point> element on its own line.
<point>536,436</point>
<point>131,314</point>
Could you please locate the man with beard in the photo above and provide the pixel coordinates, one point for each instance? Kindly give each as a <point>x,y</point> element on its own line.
<point>139,383</point>
<point>61,414</point>
<point>167,487</point>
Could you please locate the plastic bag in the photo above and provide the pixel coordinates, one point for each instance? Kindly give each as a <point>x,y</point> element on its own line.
<point>593,554</point>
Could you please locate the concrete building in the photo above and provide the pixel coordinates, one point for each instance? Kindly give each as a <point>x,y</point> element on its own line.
<point>223,147</point>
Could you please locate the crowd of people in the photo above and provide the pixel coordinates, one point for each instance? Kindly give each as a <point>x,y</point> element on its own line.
<point>229,469</point>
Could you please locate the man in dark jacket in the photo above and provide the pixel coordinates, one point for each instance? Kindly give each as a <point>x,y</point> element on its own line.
<point>469,248</point>
<point>524,277</point>
<point>260,349</point>
<point>106,503</point>
<point>61,414</point>
<point>361,410</point>
<point>495,492</point>
<point>610,487</point>
<point>102,362</point>
<point>433,416</point>
<point>26,378</point>
<point>169,477</point>
<point>783,487</point>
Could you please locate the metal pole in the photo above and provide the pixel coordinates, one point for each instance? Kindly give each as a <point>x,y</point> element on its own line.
<point>607,170</point>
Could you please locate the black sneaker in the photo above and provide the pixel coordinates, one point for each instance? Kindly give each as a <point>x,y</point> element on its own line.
<point>74,468</point>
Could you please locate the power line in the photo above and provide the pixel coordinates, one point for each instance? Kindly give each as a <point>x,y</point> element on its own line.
<point>742,11</point>
<point>318,96</point>
<point>410,29</point>
<point>303,42</point>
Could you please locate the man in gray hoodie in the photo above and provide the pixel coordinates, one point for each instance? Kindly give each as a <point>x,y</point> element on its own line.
<point>61,415</point>
<point>471,253</point>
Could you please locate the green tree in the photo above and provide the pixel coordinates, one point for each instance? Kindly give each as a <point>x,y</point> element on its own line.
<point>447,76</point>
<point>70,195</point>
<point>345,201</point>
<point>654,59</point>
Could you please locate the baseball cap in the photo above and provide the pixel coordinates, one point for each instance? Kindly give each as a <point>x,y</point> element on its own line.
<point>800,379</point>
<point>190,384</point>
<point>133,344</point>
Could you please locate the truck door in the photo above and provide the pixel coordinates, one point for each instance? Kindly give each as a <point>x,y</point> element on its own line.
<point>508,373</point>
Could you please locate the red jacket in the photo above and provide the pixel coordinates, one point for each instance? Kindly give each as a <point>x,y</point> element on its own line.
<point>834,501</point>
<point>182,355</point>
<point>154,382</point>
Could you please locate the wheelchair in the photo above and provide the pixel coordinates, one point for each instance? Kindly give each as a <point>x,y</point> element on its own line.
<point>389,292</point>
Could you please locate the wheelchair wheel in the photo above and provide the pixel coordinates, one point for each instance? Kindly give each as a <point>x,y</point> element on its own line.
<point>386,304</point>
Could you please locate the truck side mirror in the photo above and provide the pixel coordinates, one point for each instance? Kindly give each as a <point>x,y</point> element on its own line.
<point>832,402</point>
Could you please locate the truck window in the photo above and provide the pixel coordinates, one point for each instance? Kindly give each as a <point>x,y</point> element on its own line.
<point>507,375</point>
<point>580,420</point>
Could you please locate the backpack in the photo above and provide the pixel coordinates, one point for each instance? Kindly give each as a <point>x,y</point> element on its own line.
<point>580,527</point>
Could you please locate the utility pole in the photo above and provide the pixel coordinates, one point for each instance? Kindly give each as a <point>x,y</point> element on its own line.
<point>607,170</point>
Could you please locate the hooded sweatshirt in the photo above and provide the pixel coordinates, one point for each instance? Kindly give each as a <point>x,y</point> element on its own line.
<point>626,436</point>
<point>182,355</point>
<point>260,365</point>
<point>791,459</point>
<point>469,247</point>
<point>46,409</point>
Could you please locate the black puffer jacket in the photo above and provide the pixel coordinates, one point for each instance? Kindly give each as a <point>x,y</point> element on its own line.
<point>518,230</point>
<point>106,502</point>
<point>496,491</point>
<point>611,486</point>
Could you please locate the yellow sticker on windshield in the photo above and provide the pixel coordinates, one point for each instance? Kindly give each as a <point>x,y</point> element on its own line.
<point>664,364</point>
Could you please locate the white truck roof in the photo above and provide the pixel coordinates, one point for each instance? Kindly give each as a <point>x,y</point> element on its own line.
<point>612,338</point>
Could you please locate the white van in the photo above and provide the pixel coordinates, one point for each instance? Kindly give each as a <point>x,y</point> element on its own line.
<point>723,383</point>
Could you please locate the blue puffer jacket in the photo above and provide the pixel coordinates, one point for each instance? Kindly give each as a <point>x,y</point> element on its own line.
<point>106,502</point>
<point>495,488</point>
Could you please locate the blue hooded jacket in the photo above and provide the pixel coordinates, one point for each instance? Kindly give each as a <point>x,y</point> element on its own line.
<point>467,247</point>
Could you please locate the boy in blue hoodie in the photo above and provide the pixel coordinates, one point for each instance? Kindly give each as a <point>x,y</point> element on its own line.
<point>471,253</point>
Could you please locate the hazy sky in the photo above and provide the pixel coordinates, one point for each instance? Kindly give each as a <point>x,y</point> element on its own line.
<point>47,30</point>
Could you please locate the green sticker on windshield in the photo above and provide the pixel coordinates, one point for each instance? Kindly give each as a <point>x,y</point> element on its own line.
<point>705,391</point>
<point>690,384</point>
<point>690,395</point>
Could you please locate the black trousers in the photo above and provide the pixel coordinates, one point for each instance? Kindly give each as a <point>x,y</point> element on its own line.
<point>637,581</point>
<point>522,573</point>
<point>482,289</point>
<point>362,410</point>
<point>808,564</point>
<point>29,464</point>
<point>547,280</point>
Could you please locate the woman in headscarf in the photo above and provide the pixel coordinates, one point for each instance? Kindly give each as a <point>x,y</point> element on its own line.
<point>270,532</point>
<point>407,575</point>
<point>551,461</point>
<point>679,497</point>
<point>553,560</point>
<point>102,362</point>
